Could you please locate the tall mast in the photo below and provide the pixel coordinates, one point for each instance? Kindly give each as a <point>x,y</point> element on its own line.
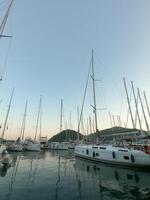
<point>23,122</point>
<point>40,120</point>
<point>136,105</point>
<point>147,126</point>
<point>129,103</point>
<point>113,117</point>
<point>4,128</point>
<point>146,103</point>
<point>119,121</point>
<point>110,120</point>
<point>94,95</point>
<point>90,124</point>
<point>61,115</point>
<point>78,123</point>
<point>37,123</point>
<point>2,26</point>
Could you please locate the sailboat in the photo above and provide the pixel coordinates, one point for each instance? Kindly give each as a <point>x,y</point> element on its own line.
<point>3,146</point>
<point>2,26</point>
<point>33,145</point>
<point>60,145</point>
<point>43,139</point>
<point>113,154</point>
<point>18,144</point>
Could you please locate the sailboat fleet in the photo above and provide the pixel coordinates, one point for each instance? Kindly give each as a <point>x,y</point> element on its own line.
<point>135,155</point>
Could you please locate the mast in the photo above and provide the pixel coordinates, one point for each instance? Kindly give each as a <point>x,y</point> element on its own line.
<point>78,137</point>
<point>2,26</point>
<point>40,121</point>
<point>147,126</point>
<point>23,122</point>
<point>135,100</point>
<point>94,95</point>
<point>4,128</point>
<point>110,120</point>
<point>61,115</point>
<point>119,121</point>
<point>146,103</point>
<point>129,103</point>
<point>38,117</point>
<point>70,127</point>
<point>113,117</point>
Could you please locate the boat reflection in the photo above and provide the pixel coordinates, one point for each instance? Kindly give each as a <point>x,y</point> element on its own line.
<point>62,153</point>
<point>113,180</point>
<point>3,170</point>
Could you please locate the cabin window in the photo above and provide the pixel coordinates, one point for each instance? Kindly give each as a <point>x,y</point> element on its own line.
<point>126,157</point>
<point>93,154</point>
<point>95,147</point>
<point>97,154</point>
<point>102,147</point>
<point>87,151</point>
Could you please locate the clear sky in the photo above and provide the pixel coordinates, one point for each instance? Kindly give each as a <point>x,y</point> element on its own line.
<point>50,51</point>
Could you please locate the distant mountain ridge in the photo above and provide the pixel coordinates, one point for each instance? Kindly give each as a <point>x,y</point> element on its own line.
<point>66,136</point>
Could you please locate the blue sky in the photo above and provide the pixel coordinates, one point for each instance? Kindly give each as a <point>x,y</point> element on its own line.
<point>50,53</point>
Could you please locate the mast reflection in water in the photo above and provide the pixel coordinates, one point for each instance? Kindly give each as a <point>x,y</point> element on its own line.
<point>58,175</point>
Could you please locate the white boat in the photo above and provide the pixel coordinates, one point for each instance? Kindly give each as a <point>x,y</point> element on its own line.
<point>31,145</point>
<point>15,147</point>
<point>115,155</point>
<point>44,142</point>
<point>18,144</point>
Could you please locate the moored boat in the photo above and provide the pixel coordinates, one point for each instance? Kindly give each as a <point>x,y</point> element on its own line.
<point>115,155</point>
<point>31,145</point>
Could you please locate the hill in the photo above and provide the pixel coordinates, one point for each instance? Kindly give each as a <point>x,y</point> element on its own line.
<point>65,136</point>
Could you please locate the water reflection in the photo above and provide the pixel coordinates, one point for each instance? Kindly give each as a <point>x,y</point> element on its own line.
<point>112,181</point>
<point>57,175</point>
<point>3,170</point>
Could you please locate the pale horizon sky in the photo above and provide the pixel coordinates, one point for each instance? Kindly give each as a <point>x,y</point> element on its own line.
<point>49,55</point>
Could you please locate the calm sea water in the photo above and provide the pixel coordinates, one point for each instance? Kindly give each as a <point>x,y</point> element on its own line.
<point>58,175</point>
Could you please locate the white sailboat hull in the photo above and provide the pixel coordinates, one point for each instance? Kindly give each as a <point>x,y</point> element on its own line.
<point>114,155</point>
<point>15,147</point>
<point>32,146</point>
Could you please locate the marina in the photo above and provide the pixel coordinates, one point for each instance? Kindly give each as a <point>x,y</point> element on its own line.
<point>73,124</point>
